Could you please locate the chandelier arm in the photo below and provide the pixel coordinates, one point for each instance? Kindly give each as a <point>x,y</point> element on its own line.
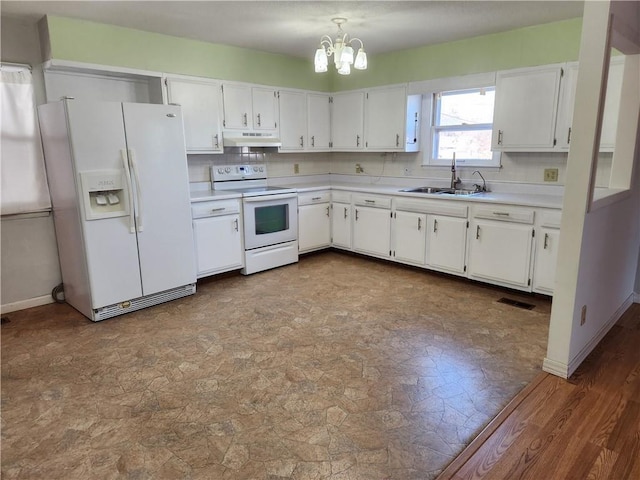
<point>361,44</point>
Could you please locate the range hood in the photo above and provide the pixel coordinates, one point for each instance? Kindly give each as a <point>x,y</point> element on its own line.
<point>250,139</point>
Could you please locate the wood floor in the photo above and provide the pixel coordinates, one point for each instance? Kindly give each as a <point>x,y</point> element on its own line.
<point>587,427</point>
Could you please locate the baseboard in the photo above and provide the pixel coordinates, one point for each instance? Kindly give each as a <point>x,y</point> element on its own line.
<point>558,369</point>
<point>565,371</point>
<point>586,350</point>
<point>636,297</point>
<point>22,304</point>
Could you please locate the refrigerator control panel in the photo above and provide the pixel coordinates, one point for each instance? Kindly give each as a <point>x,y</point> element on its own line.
<point>104,194</point>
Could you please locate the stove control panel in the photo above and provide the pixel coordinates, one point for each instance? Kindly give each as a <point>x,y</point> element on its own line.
<point>223,173</point>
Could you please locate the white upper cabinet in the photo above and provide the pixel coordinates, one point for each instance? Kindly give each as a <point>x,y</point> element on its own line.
<point>526,108</point>
<point>319,121</point>
<point>249,108</point>
<point>293,120</point>
<point>385,114</point>
<point>265,108</point>
<point>347,121</point>
<point>201,103</point>
<point>611,105</point>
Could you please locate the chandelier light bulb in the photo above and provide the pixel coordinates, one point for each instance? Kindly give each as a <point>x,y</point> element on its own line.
<point>342,51</point>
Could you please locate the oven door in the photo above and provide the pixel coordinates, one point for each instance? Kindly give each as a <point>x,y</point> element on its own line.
<point>270,219</point>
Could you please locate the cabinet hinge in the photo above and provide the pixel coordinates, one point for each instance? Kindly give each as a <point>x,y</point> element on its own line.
<point>367,95</point>
<point>467,226</point>
<point>528,282</point>
<point>391,214</point>
<point>464,268</point>
<point>166,82</point>
<point>554,142</point>
<point>533,233</point>
<point>276,94</point>
<point>224,123</point>
<point>222,88</point>
<point>330,99</point>
<point>394,254</point>
<point>561,72</point>
<point>366,144</point>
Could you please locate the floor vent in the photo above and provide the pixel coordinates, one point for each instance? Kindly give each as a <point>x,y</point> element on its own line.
<point>516,303</point>
<point>4,320</point>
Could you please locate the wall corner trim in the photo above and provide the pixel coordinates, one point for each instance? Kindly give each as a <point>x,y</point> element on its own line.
<point>556,368</point>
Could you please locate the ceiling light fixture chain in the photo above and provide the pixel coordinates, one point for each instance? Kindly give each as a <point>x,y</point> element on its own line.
<point>341,50</point>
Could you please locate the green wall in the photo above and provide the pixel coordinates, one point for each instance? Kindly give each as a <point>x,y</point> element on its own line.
<point>91,42</point>
<point>538,45</point>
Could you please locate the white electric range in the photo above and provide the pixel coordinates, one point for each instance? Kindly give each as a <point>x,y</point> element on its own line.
<point>270,215</point>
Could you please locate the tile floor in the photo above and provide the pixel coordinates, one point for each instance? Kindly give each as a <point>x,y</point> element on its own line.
<point>338,367</point>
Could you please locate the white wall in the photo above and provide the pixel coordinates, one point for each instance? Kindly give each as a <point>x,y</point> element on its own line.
<point>30,267</point>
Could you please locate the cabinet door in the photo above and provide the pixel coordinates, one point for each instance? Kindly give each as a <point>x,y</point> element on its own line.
<point>385,114</point>
<point>238,111</point>
<point>314,226</point>
<point>446,243</point>
<point>525,109</point>
<point>500,252</point>
<point>409,234</point>
<point>544,274</point>
<point>347,121</point>
<point>319,121</point>
<point>611,105</point>
<point>265,108</point>
<point>293,121</point>
<point>341,225</point>
<point>218,244</point>
<point>201,104</point>
<point>372,231</point>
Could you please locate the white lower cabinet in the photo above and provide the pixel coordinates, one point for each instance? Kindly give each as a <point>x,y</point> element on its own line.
<point>409,237</point>
<point>547,241</point>
<point>372,225</point>
<point>218,238</point>
<point>341,225</point>
<point>500,246</point>
<point>446,243</point>
<point>314,221</point>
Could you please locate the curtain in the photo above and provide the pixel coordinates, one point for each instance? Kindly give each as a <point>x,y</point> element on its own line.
<point>23,177</point>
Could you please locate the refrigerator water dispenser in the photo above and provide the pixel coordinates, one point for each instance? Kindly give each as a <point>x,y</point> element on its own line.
<point>104,194</point>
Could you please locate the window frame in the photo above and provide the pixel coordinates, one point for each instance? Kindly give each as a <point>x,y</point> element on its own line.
<point>428,89</point>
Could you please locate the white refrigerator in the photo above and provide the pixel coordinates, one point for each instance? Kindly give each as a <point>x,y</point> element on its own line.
<point>120,192</point>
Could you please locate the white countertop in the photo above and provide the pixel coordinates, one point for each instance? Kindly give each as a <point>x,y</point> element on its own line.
<point>523,199</point>
<point>206,195</point>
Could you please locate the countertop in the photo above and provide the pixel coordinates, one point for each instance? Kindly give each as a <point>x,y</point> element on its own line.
<point>522,199</point>
<point>206,195</point>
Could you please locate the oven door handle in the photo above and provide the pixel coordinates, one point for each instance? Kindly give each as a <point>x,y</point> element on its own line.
<point>268,198</point>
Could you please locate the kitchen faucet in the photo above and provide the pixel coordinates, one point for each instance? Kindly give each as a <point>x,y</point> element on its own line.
<point>455,181</point>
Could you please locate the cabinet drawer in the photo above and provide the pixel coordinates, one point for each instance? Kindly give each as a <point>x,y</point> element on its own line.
<point>436,207</point>
<point>505,214</point>
<point>309,198</point>
<point>214,208</point>
<point>550,219</point>
<point>340,196</point>
<point>373,201</point>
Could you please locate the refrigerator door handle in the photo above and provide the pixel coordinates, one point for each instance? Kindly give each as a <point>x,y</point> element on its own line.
<point>136,174</point>
<point>127,175</point>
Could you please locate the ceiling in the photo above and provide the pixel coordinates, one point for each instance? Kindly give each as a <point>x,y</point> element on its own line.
<point>295,27</point>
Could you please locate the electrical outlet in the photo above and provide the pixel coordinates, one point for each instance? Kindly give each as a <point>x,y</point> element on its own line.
<point>296,168</point>
<point>550,174</point>
<point>583,315</point>
<point>359,169</point>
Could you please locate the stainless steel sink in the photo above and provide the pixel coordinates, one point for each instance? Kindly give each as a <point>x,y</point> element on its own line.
<point>431,190</point>
<point>440,191</point>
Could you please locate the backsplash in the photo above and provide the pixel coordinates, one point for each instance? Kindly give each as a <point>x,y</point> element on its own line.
<point>516,167</point>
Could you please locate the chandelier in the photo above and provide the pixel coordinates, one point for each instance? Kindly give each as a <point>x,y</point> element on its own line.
<point>341,50</point>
